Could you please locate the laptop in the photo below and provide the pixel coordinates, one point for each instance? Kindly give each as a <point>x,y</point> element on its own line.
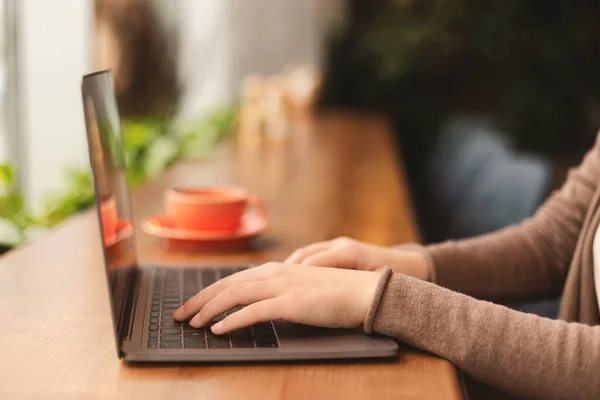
<point>143,297</point>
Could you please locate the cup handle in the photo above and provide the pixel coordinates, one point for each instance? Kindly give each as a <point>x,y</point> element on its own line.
<point>258,204</point>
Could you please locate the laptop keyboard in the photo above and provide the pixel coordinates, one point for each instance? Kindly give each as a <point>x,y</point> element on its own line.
<point>171,287</point>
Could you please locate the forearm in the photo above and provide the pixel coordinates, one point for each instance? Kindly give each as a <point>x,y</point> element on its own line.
<point>520,354</point>
<point>528,260</point>
<point>522,262</point>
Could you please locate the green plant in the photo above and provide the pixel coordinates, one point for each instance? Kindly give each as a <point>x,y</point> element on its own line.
<point>150,145</point>
<point>75,197</point>
<point>153,144</point>
<point>12,216</point>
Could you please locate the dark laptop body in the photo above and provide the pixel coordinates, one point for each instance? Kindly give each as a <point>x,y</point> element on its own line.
<point>143,297</point>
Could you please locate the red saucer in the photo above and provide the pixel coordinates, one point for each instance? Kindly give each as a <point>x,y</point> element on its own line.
<point>253,224</point>
<point>124,230</point>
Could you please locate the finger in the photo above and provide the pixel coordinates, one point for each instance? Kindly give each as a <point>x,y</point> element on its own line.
<point>263,311</point>
<point>195,304</point>
<point>240,294</point>
<point>337,257</point>
<point>299,255</point>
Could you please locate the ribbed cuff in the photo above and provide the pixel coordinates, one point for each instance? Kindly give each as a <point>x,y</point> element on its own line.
<point>423,251</point>
<point>383,281</point>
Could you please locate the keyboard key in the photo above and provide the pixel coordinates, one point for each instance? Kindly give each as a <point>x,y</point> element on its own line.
<point>194,343</point>
<point>168,312</point>
<point>241,343</point>
<point>154,320</point>
<point>174,305</point>
<point>262,327</point>
<point>266,343</point>
<point>170,324</point>
<point>170,345</point>
<point>218,342</point>
<point>242,338</point>
<point>155,308</point>
<point>208,277</point>
<point>153,335</point>
<point>153,327</point>
<point>226,272</point>
<point>189,276</point>
<point>170,338</point>
<point>264,336</point>
<point>242,333</point>
<point>194,334</point>
<point>152,343</point>
<point>170,331</point>
<point>263,332</point>
<point>154,314</point>
<point>218,318</point>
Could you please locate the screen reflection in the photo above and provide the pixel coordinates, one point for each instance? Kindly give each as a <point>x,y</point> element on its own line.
<point>112,193</point>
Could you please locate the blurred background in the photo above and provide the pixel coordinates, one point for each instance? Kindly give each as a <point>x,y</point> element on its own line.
<point>491,103</point>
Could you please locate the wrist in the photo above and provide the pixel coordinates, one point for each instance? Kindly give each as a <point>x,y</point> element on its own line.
<point>375,299</point>
<point>420,265</point>
<point>412,260</point>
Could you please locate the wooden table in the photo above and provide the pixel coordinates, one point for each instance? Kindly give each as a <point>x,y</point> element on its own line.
<point>335,175</point>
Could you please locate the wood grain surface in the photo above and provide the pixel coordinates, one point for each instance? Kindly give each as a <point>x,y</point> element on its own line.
<point>337,174</point>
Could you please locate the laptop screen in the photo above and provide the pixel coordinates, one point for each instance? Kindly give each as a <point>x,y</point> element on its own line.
<point>113,206</point>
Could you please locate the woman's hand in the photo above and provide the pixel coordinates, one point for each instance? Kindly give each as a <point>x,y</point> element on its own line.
<point>326,297</point>
<point>352,254</point>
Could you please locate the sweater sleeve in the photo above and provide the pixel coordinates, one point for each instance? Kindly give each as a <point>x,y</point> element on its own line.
<point>527,260</point>
<point>520,354</point>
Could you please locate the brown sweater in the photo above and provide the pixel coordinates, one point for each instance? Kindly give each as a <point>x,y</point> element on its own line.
<point>519,354</point>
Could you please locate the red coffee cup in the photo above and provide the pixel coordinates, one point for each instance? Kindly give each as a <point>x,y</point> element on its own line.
<point>213,209</point>
<point>109,216</point>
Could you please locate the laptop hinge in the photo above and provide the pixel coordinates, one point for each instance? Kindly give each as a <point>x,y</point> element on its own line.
<point>130,305</point>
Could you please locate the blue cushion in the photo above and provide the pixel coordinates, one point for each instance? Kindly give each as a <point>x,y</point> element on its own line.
<point>481,184</point>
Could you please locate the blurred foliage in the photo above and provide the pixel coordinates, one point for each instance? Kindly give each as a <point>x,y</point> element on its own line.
<point>12,215</point>
<point>77,195</point>
<point>150,145</point>
<point>531,66</point>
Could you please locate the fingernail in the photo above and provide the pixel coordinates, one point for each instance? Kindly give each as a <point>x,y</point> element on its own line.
<point>218,328</point>
<point>194,322</point>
